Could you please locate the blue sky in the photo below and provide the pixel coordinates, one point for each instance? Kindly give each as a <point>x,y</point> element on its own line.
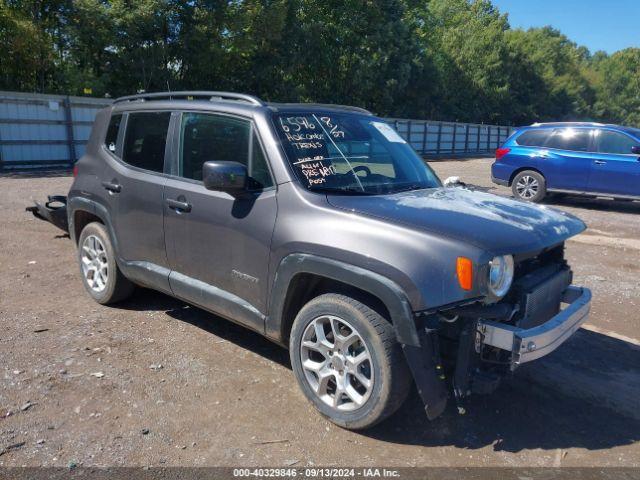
<point>608,25</point>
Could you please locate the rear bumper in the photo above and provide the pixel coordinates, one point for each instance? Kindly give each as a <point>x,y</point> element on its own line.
<point>54,211</point>
<point>501,173</point>
<point>530,344</point>
<point>499,181</point>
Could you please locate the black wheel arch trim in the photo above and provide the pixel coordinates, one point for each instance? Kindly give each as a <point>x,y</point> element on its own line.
<point>386,290</point>
<point>76,203</point>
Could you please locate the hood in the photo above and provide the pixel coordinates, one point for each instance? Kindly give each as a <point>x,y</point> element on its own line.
<point>497,224</point>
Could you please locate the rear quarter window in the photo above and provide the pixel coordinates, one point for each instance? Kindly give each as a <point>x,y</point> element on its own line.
<point>111,139</point>
<point>533,138</point>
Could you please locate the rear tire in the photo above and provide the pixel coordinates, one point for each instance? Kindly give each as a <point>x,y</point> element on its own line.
<point>101,276</point>
<point>356,377</point>
<point>530,186</point>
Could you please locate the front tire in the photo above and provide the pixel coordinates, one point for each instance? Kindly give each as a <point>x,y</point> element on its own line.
<point>101,276</point>
<point>529,185</point>
<point>347,361</point>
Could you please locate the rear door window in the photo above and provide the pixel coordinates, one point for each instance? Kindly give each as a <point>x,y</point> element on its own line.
<point>577,140</point>
<point>534,138</point>
<point>615,142</point>
<point>146,139</point>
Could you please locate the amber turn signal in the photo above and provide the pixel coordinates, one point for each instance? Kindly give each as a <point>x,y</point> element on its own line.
<point>464,268</point>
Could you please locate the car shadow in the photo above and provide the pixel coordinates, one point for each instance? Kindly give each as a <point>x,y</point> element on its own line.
<point>520,415</point>
<point>150,300</point>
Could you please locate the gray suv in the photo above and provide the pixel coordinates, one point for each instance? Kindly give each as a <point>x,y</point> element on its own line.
<point>319,227</point>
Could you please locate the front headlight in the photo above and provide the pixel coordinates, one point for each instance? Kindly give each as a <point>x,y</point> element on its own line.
<point>500,275</point>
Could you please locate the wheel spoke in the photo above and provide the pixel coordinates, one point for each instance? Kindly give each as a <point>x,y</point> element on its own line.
<point>366,382</point>
<point>337,396</point>
<point>358,359</point>
<point>323,384</point>
<point>321,337</point>
<point>343,342</point>
<point>353,394</point>
<point>316,367</point>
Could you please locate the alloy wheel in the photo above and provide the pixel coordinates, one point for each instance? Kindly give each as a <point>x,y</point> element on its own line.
<point>527,187</point>
<point>336,362</point>
<point>95,263</point>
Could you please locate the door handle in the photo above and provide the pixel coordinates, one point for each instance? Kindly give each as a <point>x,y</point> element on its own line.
<point>178,205</point>
<point>599,162</point>
<point>112,187</point>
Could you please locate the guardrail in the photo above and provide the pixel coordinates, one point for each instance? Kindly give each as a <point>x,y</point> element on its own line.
<point>40,131</point>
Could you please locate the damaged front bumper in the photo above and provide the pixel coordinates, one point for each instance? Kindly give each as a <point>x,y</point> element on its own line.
<point>530,344</point>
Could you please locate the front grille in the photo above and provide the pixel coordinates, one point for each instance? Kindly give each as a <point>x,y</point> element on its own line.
<point>538,284</point>
<point>543,301</point>
<point>534,263</point>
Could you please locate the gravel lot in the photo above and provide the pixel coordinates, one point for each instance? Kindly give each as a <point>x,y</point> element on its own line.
<point>156,382</point>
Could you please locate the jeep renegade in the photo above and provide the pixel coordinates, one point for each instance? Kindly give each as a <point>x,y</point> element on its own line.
<point>319,227</point>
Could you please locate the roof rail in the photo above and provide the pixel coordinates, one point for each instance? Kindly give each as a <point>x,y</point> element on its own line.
<point>276,105</point>
<point>211,96</point>
<point>541,124</point>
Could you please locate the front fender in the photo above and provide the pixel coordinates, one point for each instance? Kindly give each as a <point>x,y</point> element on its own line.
<point>381,287</point>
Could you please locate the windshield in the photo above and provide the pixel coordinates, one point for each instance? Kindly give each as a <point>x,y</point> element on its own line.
<point>350,154</point>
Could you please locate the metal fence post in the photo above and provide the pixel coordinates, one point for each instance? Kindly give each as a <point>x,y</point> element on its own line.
<point>453,140</point>
<point>488,138</point>
<point>71,144</point>
<point>409,133</point>
<point>439,138</point>
<point>466,138</point>
<point>478,139</point>
<point>424,138</point>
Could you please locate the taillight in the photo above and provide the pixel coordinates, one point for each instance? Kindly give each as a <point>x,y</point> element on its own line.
<point>501,152</point>
<point>75,170</point>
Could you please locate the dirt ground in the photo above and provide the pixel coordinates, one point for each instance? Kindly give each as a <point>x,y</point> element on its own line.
<point>155,382</point>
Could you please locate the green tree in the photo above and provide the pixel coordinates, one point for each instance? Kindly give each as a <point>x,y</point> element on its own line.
<point>28,54</point>
<point>563,67</point>
<point>617,80</point>
<point>440,59</point>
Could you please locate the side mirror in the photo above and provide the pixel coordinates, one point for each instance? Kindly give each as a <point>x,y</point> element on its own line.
<point>453,182</point>
<point>230,177</point>
<point>635,149</point>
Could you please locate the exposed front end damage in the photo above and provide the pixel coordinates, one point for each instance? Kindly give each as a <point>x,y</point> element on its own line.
<point>468,349</point>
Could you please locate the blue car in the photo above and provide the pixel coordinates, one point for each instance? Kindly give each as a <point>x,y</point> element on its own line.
<point>571,157</point>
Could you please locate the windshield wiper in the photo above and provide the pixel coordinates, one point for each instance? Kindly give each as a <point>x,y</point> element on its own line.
<point>342,191</point>
<point>408,188</point>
